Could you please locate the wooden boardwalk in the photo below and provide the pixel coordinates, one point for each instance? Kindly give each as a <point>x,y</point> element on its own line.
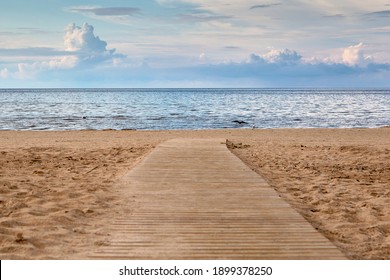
<point>193,199</point>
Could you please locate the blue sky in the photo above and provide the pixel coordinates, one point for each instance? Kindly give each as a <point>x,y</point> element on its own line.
<point>195,43</point>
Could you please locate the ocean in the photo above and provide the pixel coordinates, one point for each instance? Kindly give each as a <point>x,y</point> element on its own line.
<point>162,109</point>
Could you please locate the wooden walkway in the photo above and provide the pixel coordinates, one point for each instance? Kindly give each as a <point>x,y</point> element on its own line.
<point>193,199</point>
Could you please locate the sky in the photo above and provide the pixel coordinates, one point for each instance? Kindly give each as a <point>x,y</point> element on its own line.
<point>195,43</point>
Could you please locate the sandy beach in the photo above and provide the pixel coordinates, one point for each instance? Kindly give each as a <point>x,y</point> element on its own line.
<point>59,191</point>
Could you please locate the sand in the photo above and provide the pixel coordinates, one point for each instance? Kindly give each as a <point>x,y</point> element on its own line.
<point>59,190</point>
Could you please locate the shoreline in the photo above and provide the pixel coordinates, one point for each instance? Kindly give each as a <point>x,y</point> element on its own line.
<point>58,188</point>
<point>200,129</point>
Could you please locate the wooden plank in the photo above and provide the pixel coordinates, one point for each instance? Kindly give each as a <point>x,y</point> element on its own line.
<point>193,199</point>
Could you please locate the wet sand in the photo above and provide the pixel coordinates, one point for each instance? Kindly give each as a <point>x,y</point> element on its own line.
<point>58,190</point>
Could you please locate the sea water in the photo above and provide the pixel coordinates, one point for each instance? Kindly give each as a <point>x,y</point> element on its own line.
<point>161,109</point>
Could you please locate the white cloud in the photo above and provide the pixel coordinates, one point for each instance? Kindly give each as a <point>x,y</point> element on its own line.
<point>89,49</point>
<point>83,39</point>
<point>30,70</point>
<point>354,56</point>
<point>4,73</point>
<point>281,57</point>
<point>27,70</point>
<point>65,62</point>
<point>285,56</point>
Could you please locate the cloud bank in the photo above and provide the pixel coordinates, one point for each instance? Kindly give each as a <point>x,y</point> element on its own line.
<point>87,61</point>
<point>277,68</point>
